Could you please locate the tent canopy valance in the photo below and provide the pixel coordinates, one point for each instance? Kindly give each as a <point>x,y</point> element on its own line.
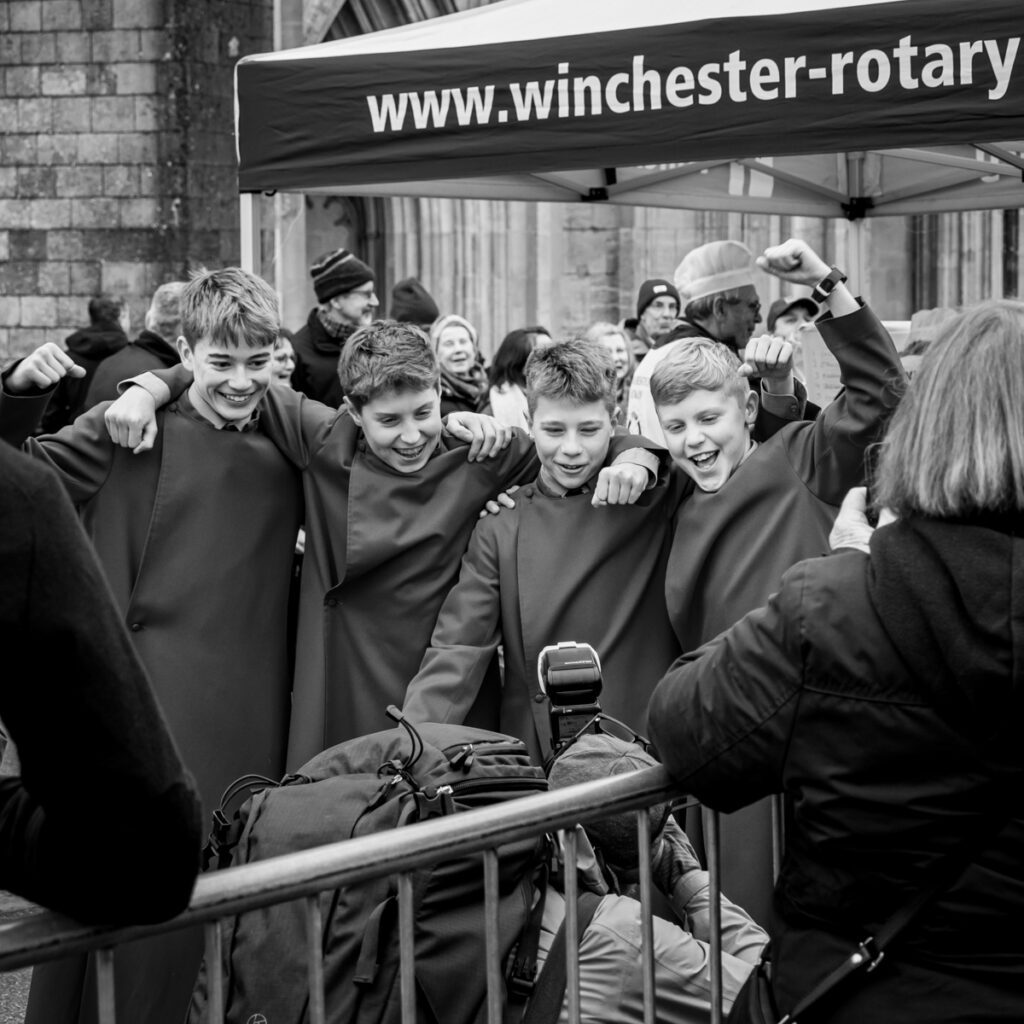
<point>821,107</point>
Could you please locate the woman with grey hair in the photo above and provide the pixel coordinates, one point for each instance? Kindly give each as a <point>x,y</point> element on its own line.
<point>881,690</point>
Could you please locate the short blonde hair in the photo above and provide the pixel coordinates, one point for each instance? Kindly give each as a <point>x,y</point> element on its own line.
<point>955,446</point>
<point>230,306</point>
<point>697,364</point>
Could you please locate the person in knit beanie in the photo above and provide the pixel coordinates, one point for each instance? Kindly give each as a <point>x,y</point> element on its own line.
<point>345,290</point>
<point>411,303</point>
<point>657,309</point>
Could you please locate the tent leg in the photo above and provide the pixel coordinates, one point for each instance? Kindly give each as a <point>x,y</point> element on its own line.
<point>249,226</point>
<point>856,258</point>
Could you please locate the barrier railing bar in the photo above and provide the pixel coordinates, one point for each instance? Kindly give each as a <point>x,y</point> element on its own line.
<point>406,948</point>
<point>712,837</point>
<point>572,938</point>
<point>214,973</point>
<point>48,936</point>
<point>492,950</point>
<point>105,1003</point>
<point>643,843</point>
<point>314,950</point>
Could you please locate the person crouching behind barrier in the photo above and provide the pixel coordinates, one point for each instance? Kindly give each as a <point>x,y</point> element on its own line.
<point>611,978</point>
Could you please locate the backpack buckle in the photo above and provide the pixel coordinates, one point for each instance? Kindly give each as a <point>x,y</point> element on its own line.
<point>435,803</point>
<point>522,979</point>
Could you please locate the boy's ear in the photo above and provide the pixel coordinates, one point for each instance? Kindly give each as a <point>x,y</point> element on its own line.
<point>751,406</point>
<point>185,352</point>
<point>352,411</point>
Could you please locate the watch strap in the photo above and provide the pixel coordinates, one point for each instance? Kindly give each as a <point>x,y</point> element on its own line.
<point>824,288</point>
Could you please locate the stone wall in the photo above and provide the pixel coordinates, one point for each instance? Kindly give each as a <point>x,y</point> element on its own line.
<point>117,164</point>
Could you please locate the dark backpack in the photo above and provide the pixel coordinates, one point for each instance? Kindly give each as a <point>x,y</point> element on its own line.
<point>363,786</point>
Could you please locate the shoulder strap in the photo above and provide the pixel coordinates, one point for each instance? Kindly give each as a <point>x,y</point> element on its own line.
<point>546,1002</point>
<point>871,951</point>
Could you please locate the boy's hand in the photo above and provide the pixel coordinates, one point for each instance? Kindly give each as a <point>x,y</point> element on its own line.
<point>131,420</point>
<point>851,528</point>
<point>620,485</point>
<point>771,359</point>
<point>42,369</point>
<point>486,436</point>
<point>794,261</point>
<point>503,500</point>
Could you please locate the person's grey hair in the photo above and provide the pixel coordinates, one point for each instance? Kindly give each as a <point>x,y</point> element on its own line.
<point>579,370</point>
<point>955,446</point>
<point>704,307</point>
<point>697,364</point>
<point>230,306</point>
<point>164,314</point>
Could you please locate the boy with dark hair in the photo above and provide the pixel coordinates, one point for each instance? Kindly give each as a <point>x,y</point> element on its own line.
<point>196,538</point>
<point>391,500</point>
<point>554,568</point>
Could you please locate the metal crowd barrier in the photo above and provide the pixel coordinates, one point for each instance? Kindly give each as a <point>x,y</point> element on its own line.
<point>223,894</point>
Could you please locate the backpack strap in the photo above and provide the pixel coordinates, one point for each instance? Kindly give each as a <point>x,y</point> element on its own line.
<point>546,1002</point>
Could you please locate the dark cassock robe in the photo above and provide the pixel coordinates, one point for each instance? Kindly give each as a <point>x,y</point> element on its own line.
<point>554,569</point>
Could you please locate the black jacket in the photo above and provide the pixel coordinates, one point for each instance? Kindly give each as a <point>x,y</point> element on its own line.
<point>316,361</point>
<point>88,348</point>
<point>103,822</point>
<point>884,696</point>
<point>149,351</point>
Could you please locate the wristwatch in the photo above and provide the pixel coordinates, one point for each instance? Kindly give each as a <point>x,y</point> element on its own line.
<point>824,288</point>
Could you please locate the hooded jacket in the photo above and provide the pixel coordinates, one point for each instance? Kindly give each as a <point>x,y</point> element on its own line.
<point>149,351</point>
<point>883,695</point>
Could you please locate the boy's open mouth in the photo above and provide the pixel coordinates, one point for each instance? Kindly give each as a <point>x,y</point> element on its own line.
<point>410,453</point>
<point>705,460</point>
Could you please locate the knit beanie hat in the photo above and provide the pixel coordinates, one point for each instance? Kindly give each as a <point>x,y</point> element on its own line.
<point>713,268</point>
<point>599,756</point>
<point>338,272</point>
<point>447,321</point>
<point>411,303</point>
<point>653,289</point>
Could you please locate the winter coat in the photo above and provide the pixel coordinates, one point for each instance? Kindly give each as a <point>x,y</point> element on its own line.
<point>149,351</point>
<point>88,348</point>
<point>316,360</point>
<point>461,395</point>
<point>883,694</point>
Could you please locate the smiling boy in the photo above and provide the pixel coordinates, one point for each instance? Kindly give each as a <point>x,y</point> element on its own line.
<point>391,500</point>
<point>196,537</point>
<point>761,507</point>
<point>555,568</point>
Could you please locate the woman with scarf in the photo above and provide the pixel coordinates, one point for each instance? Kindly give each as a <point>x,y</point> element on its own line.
<point>463,380</point>
<point>881,690</point>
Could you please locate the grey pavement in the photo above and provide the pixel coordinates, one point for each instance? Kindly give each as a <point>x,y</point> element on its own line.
<point>14,984</point>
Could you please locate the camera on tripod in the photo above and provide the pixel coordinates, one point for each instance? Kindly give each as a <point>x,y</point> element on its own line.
<point>570,677</point>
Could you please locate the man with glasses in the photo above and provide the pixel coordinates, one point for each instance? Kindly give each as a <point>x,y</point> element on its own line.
<point>720,301</point>
<point>345,293</point>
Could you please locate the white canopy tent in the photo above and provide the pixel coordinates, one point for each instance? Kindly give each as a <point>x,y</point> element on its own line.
<point>653,103</point>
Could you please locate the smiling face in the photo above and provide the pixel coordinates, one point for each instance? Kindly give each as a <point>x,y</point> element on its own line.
<point>708,434</point>
<point>615,346</point>
<point>284,361</point>
<point>571,440</point>
<point>356,307</point>
<point>402,428</point>
<point>228,380</point>
<point>455,350</point>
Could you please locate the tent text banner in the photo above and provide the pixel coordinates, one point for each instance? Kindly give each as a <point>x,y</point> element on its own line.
<point>805,81</point>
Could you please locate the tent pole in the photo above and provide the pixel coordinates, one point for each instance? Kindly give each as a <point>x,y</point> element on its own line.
<point>856,257</point>
<point>248,218</point>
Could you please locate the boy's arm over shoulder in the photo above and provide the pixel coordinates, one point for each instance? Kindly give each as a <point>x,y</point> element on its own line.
<point>466,635</point>
<point>300,425</point>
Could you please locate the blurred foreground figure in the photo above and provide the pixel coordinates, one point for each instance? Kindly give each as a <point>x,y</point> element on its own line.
<point>881,690</point>
<point>76,695</point>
